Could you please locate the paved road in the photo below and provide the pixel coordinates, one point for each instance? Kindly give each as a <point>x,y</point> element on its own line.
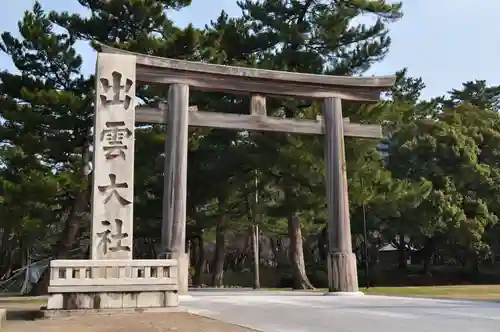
<point>306,312</point>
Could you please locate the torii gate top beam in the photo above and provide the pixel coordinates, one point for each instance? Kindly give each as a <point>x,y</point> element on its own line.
<point>212,77</point>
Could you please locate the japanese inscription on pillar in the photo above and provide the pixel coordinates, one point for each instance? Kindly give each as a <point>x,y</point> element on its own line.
<point>113,164</point>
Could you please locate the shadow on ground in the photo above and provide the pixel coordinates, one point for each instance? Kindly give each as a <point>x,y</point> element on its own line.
<point>24,314</point>
<point>22,309</point>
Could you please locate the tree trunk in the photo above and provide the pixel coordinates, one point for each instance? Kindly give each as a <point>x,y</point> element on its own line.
<point>472,264</point>
<point>428,251</point>
<point>193,255</point>
<point>8,265</point>
<point>402,252</point>
<point>77,213</point>
<point>200,261</point>
<point>68,236</point>
<point>278,252</point>
<point>256,256</point>
<point>274,249</point>
<point>240,256</point>
<point>219,256</point>
<point>322,244</point>
<point>6,254</point>
<point>296,252</point>
<point>149,249</point>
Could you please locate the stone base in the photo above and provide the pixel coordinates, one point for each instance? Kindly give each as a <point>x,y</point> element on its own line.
<point>344,294</point>
<point>342,272</point>
<point>183,272</point>
<point>115,300</point>
<point>185,297</point>
<point>182,269</point>
<point>3,317</point>
<point>48,313</point>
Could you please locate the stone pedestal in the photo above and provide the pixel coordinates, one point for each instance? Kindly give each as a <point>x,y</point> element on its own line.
<point>182,272</point>
<point>3,317</point>
<point>112,300</point>
<point>182,269</point>
<point>113,284</point>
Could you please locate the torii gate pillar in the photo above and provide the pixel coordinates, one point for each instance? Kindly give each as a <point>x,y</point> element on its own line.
<point>342,270</point>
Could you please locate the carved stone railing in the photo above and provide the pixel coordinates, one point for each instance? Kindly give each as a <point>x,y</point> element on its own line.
<point>111,284</point>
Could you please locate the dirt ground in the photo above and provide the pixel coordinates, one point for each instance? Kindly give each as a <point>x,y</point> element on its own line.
<point>22,317</point>
<point>139,322</point>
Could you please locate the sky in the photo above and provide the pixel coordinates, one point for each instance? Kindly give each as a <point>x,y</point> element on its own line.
<point>446,42</point>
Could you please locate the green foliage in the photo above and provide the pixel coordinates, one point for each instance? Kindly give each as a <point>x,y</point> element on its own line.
<point>28,200</point>
<point>448,151</point>
<point>46,108</point>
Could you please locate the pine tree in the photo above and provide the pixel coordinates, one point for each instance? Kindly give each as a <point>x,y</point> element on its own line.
<point>305,36</point>
<point>456,153</point>
<point>47,111</point>
<point>48,105</point>
<point>27,210</point>
<point>476,93</point>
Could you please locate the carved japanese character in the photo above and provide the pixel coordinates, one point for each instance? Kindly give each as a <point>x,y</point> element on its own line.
<point>112,190</point>
<point>115,92</point>
<point>113,138</point>
<point>107,237</point>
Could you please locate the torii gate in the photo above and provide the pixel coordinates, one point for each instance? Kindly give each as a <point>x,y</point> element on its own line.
<point>183,75</point>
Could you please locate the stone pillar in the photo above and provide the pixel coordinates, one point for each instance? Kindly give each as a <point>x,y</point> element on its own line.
<point>113,162</point>
<point>175,185</point>
<point>342,271</point>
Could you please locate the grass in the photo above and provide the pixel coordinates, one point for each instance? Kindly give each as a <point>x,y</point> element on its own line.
<point>467,292</point>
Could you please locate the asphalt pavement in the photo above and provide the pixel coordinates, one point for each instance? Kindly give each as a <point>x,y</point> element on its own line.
<point>314,312</point>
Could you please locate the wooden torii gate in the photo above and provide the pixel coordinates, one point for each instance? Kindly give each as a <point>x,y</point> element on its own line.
<point>182,75</point>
